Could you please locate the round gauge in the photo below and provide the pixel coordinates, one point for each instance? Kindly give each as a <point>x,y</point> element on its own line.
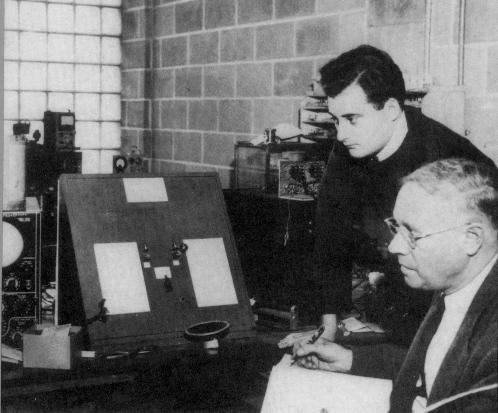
<point>11,282</point>
<point>13,244</point>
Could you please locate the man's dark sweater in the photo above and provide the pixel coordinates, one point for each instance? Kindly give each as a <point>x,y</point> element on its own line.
<point>355,197</point>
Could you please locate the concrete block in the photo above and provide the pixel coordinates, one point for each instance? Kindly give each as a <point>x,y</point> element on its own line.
<point>444,65</point>
<point>156,114</point>
<point>188,16</point>
<point>235,115</point>
<point>156,54</point>
<point>129,84</point>
<point>475,73</point>
<point>387,12</point>
<point>219,13</point>
<point>135,54</point>
<point>492,69</point>
<point>317,36</point>
<point>164,21</point>
<point>162,145</point>
<point>481,119</point>
<point>188,82</point>
<point>218,149</point>
<point>187,146</point>
<point>275,41</point>
<point>251,11</point>
<point>352,30</point>
<point>133,24</point>
<point>444,13</point>
<point>292,78</point>
<point>197,167</point>
<point>124,120</point>
<point>405,44</point>
<point>145,84</point>
<point>163,83</point>
<point>203,115</point>
<point>174,114</point>
<point>219,81</point>
<point>270,112</point>
<point>227,177</point>
<point>292,8</point>
<point>137,114</point>
<point>129,138</point>
<point>481,19</point>
<point>336,6</point>
<point>128,4</point>
<point>237,45</point>
<point>254,79</point>
<point>203,48</point>
<point>168,167</point>
<point>174,51</point>
<point>145,142</point>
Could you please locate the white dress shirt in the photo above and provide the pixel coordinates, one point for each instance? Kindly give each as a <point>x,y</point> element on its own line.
<point>456,306</point>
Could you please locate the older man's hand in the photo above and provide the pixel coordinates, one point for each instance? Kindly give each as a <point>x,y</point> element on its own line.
<point>324,356</point>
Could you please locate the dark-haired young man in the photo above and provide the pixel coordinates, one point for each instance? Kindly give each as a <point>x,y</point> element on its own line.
<point>379,140</point>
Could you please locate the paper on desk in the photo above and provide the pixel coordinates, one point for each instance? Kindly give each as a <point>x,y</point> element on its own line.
<point>356,326</point>
<point>10,354</point>
<point>293,389</point>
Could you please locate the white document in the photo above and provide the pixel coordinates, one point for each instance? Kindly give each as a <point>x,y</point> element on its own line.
<point>294,389</point>
<point>145,190</point>
<point>210,272</point>
<point>121,278</point>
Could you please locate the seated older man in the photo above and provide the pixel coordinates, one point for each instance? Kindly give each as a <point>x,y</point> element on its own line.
<point>445,227</point>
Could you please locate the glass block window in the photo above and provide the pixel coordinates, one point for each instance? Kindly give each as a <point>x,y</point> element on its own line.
<point>62,55</point>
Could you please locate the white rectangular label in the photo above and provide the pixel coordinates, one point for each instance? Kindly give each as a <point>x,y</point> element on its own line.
<point>210,272</point>
<point>145,190</point>
<point>121,278</point>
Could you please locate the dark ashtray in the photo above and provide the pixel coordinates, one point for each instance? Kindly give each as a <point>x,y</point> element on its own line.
<point>207,330</point>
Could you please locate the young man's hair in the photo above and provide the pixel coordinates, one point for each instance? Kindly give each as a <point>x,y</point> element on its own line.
<point>373,69</point>
<point>477,182</point>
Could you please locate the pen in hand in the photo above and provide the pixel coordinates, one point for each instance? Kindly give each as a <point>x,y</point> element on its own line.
<point>312,340</point>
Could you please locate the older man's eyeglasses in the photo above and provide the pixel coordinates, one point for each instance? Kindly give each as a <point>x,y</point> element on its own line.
<point>411,238</point>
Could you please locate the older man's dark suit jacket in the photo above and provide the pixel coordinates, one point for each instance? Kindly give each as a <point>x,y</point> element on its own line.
<point>471,361</point>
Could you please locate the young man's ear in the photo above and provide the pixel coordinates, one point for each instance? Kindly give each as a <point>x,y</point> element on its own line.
<point>473,239</point>
<point>393,108</point>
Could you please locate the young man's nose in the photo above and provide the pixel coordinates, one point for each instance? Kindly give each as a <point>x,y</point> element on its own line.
<point>341,131</point>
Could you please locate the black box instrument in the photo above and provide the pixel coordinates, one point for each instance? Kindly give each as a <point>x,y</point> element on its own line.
<point>59,130</point>
<point>21,271</point>
<point>142,258</point>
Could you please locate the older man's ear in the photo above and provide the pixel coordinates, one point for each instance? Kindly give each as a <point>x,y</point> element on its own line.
<point>474,238</point>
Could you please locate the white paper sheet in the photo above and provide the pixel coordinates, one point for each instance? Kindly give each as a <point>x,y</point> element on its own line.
<point>121,278</point>
<point>145,190</point>
<point>210,272</point>
<point>293,389</point>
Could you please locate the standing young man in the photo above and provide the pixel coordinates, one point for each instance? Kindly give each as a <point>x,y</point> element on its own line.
<point>379,140</point>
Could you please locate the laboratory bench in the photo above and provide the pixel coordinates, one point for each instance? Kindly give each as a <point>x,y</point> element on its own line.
<point>173,379</point>
<point>177,379</point>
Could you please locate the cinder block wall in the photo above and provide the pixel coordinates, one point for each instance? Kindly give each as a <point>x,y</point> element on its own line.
<point>198,75</point>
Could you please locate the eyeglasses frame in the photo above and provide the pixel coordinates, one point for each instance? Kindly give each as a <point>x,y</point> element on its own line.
<point>410,238</point>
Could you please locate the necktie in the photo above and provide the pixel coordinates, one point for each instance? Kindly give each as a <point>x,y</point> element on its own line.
<point>405,389</point>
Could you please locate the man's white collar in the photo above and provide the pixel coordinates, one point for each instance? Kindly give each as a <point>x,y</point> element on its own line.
<point>397,138</point>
